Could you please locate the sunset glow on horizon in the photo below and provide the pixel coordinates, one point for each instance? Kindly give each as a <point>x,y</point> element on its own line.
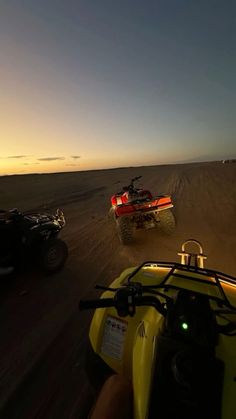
<point>91,87</point>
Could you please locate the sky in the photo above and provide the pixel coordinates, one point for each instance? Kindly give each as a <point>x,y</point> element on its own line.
<point>98,84</point>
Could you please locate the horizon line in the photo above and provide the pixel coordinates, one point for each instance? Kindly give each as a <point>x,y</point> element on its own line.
<point>114,168</point>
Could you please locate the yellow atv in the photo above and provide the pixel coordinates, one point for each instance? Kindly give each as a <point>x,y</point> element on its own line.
<point>170,328</point>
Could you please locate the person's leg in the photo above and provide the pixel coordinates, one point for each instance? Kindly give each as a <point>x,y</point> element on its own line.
<point>115,400</point>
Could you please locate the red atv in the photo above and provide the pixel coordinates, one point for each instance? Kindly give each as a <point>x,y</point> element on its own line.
<point>135,208</point>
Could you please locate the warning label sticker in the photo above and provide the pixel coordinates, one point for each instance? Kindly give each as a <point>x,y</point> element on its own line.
<point>114,337</point>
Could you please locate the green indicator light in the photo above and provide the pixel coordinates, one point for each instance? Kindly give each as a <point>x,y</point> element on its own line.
<point>184,326</point>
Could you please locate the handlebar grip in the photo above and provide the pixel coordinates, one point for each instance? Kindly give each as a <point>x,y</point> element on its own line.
<point>98,303</point>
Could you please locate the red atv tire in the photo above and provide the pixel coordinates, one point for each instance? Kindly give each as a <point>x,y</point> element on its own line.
<point>167,221</point>
<point>125,229</point>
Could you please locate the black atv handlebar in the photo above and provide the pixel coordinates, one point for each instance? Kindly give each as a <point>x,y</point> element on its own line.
<point>120,305</point>
<point>98,303</point>
<point>126,299</point>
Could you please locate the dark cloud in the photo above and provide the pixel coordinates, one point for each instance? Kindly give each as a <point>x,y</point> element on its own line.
<point>72,164</point>
<point>75,157</point>
<point>16,157</point>
<point>25,164</point>
<point>51,158</point>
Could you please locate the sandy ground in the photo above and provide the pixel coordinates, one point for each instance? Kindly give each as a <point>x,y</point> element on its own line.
<point>40,323</point>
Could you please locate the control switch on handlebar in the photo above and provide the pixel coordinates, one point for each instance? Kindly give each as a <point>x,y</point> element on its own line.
<point>124,302</point>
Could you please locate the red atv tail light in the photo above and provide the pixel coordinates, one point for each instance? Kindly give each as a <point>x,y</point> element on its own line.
<point>119,200</point>
<point>113,200</point>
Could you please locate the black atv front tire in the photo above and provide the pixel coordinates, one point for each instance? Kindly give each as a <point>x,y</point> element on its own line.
<point>167,221</point>
<point>52,255</point>
<point>125,229</point>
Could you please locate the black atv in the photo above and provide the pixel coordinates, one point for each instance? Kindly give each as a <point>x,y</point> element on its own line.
<point>31,238</point>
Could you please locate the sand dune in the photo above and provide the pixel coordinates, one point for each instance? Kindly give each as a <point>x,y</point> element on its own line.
<point>204,196</point>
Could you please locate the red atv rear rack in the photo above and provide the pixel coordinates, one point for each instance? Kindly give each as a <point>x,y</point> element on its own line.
<point>158,204</point>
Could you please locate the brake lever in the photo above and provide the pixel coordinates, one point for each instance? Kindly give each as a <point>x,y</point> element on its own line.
<point>147,288</point>
<point>227,329</point>
<point>102,287</point>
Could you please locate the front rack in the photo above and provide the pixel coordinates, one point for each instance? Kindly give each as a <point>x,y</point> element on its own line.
<point>174,267</point>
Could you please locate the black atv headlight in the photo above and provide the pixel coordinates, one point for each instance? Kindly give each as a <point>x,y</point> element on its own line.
<point>60,217</point>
